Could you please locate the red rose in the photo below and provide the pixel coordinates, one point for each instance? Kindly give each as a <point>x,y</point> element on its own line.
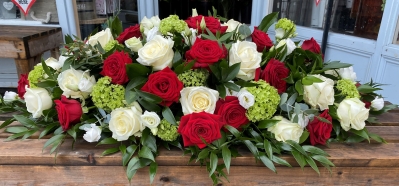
<point>274,74</point>
<point>23,80</point>
<point>164,84</point>
<point>205,52</point>
<point>132,31</point>
<point>69,112</point>
<point>231,111</point>
<point>261,39</point>
<point>320,131</point>
<point>115,67</point>
<point>212,24</point>
<point>197,126</point>
<point>311,45</point>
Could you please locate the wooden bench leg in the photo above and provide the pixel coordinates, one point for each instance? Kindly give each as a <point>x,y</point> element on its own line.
<point>55,53</point>
<point>24,66</point>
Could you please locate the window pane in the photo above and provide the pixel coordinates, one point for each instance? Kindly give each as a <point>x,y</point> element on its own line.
<point>128,12</point>
<point>396,36</point>
<point>353,17</point>
<point>239,10</point>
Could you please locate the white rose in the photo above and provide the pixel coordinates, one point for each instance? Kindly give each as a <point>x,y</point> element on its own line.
<point>62,59</point>
<point>134,44</point>
<point>289,43</point>
<point>198,99</point>
<point>319,95</point>
<point>147,24</point>
<point>245,98</point>
<point>152,33</point>
<point>157,53</point>
<point>86,82</point>
<point>151,120</point>
<point>303,120</point>
<point>10,96</point>
<point>246,53</point>
<point>69,83</point>
<point>347,73</point>
<point>352,113</point>
<point>102,37</point>
<point>53,63</point>
<point>232,25</point>
<point>279,33</point>
<point>93,134</point>
<point>377,104</point>
<point>285,130</point>
<point>37,100</point>
<point>332,72</point>
<point>125,122</point>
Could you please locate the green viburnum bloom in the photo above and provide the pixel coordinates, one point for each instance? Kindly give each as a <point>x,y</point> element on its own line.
<point>196,77</point>
<point>35,75</point>
<point>285,25</point>
<point>172,24</point>
<point>110,45</point>
<point>348,88</point>
<point>106,95</point>
<point>266,101</point>
<point>167,131</point>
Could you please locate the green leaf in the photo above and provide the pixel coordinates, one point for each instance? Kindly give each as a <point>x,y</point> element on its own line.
<point>130,172</point>
<point>267,21</point>
<point>149,97</point>
<point>335,65</point>
<point>145,152</point>
<point>47,70</point>
<point>153,171</point>
<point>47,84</point>
<point>68,39</point>
<point>251,147</point>
<point>314,150</point>
<point>203,154</point>
<point>243,83</point>
<point>222,91</point>
<point>212,36</point>
<point>299,87</point>
<point>53,139</point>
<point>117,26</point>
<point>148,140</point>
<point>7,122</point>
<point>107,141</point>
<point>364,89</point>
<point>176,57</point>
<point>16,129</point>
<point>256,135</point>
<point>266,161</point>
<point>72,133</point>
<point>122,148</point>
<point>215,70</point>
<point>226,36</point>
<point>361,133</point>
<point>354,139</point>
<point>136,83</point>
<point>299,158</point>
<point>150,106</point>
<point>304,136</point>
<point>130,96</point>
<point>110,151</point>
<point>231,72</point>
<point>226,153</point>
<point>309,80</point>
<point>17,135</point>
<point>55,145</point>
<point>233,130</point>
<point>280,161</point>
<point>377,138</point>
<point>264,124</point>
<point>168,115</point>
<point>322,159</point>
<point>244,30</point>
<point>129,154</point>
<point>25,121</point>
<point>232,86</point>
<point>312,164</point>
<point>213,163</point>
<point>268,148</point>
<point>296,146</point>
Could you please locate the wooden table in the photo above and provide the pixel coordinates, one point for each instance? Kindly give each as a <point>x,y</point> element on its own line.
<point>24,163</point>
<point>26,44</point>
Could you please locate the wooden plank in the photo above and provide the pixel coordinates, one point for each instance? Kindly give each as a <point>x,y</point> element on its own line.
<point>187,175</point>
<point>39,45</point>
<point>18,33</point>
<point>8,49</point>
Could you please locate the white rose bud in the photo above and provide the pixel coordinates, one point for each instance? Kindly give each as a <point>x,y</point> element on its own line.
<point>245,98</point>
<point>37,100</point>
<point>125,122</point>
<point>86,82</point>
<point>319,95</point>
<point>347,73</point>
<point>189,35</point>
<point>53,63</point>
<point>352,113</point>
<point>285,130</point>
<point>232,25</point>
<point>134,44</point>
<point>10,96</point>
<point>198,99</point>
<point>151,120</point>
<point>289,43</point>
<point>62,59</point>
<point>203,24</point>
<point>194,12</point>
<point>157,53</point>
<point>245,52</point>
<point>102,37</point>
<point>93,134</point>
<point>303,121</point>
<point>147,24</point>
<point>377,104</point>
<point>279,33</point>
<point>68,81</point>
<point>152,33</point>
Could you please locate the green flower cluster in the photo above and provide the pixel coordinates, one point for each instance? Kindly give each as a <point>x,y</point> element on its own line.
<point>35,75</point>
<point>347,88</point>
<point>110,45</point>
<point>167,131</point>
<point>106,95</point>
<point>196,77</point>
<point>266,101</point>
<point>287,25</point>
<point>172,24</point>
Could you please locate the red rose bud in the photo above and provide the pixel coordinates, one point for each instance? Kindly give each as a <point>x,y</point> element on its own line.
<point>275,73</point>
<point>196,127</point>
<point>261,39</point>
<point>115,67</point>
<point>367,104</point>
<point>69,112</point>
<point>132,31</point>
<point>212,24</point>
<point>205,52</point>
<point>311,45</point>
<point>231,111</point>
<point>320,131</point>
<point>165,85</point>
<point>22,82</point>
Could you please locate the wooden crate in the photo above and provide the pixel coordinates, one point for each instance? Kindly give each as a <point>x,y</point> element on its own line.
<point>24,163</point>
